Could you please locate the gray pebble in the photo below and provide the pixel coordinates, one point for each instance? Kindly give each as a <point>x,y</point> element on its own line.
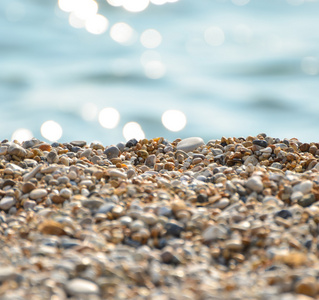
<point>190,144</point>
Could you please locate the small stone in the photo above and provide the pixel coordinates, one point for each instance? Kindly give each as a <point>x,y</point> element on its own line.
<point>116,173</point>
<point>261,143</point>
<point>31,174</point>
<point>29,204</point>
<point>38,194</point>
<point>72,175</point>
<point>105,208</point>
<point>7,273</point>
<point>7,202</point>
<point>307,200</point>
<point>80,287</point>
<point>284,213</point>
<point>3,150</point>
<point>112,152</point>
<point>222,203</point>
<point>190,144</point>
<point>15,149</point>
<point>52,227</point>
<point>251,160</point>
<point>234,245</point>
<point>52,157</point>
<point>121,146</point>
<point>66,193</point>
<point>214,232</point>
<point>131,143</point>
<point>78,143</point>
<point>305,187</point>
<point>149,218</point>
<point>254,183</point>
<point>150,160</point>
<point>307,286</point>
<point>173,228</point>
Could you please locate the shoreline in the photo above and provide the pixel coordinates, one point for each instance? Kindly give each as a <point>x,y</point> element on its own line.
<point>235,218</point>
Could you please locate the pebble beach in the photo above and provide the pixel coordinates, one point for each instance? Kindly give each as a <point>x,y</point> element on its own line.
<point>233,218</point>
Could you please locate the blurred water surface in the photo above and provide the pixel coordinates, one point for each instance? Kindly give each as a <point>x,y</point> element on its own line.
<point>215,67</point>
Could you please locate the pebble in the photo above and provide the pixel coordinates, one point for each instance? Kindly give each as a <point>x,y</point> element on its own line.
<point>79,286</point>
<point>190,144</point>
<point>156,220</point>
<point>255,184</point>
<point>7,202</point>
<point>38,194</point>
<point>112,152</point>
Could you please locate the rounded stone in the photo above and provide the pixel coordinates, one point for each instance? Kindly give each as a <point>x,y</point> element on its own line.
<point>81,287</point>
<point>38,194</point>
<point>66,193</point>
<point>254,183</point>
<point>7,202</point>
<point>112,152</point>
<point>190,144</point>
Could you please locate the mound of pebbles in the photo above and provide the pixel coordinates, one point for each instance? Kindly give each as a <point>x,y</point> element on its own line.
<point>236,218</point>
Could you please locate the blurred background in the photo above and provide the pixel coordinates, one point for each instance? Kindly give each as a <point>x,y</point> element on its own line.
<point>110,70</point>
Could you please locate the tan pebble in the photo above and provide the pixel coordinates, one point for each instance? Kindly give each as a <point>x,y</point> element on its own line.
<point>57,199</point>
<point>169,166</point>
<point>27,187</point>
<point>64,161</point>
<point>51,227</point>
<point>234,245</point>
<point>178,205</point>
<point>307,286</point>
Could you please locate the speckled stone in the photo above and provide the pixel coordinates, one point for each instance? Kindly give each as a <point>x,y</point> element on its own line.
<point>112,152</point>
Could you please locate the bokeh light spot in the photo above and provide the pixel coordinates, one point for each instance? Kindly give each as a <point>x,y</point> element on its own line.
<point>151,38</point>
<point>135,5</point>
<point>158,2</point>
<point>174,120</point>
<point>122,33</point>
<point>150,55</point>
<point>154,69</point>
<point>76,22</point>
<point>109,117</point>
<point>310,65</point>
<point>96,24</point>
<point>51,130</point>
<point>68,5</point>
<point>214,36</point>
<point>21,135</point>
<point>89,111</point>
<point>242,34</point>
<point>115,3</point>
<point>86,9</point>
<point>133,130</point>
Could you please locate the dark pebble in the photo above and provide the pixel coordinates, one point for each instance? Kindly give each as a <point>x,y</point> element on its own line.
<point>307,200</point>
<point>78,143</point>
<point>173,229</point>
<point>202,198</point>
<point>131,143</point>
<point>75,149</point>
<point>285,214</point>
<point>55,144</point>
<point>260,143</point>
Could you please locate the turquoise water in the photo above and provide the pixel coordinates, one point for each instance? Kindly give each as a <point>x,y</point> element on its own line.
<point>257,72</point>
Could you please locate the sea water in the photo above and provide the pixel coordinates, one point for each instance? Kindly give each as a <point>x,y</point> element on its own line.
<point>221,67</point>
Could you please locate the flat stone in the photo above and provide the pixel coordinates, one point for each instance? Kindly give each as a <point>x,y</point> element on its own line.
<point>214,232</point>
<point>38,194</point>
<point>81,287</point>
<point>190,144</point>
<point>78,143</point>
<point>7,273</point>
<point>116,173</point>
<point>7,202</point>
<point>27,187</point>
